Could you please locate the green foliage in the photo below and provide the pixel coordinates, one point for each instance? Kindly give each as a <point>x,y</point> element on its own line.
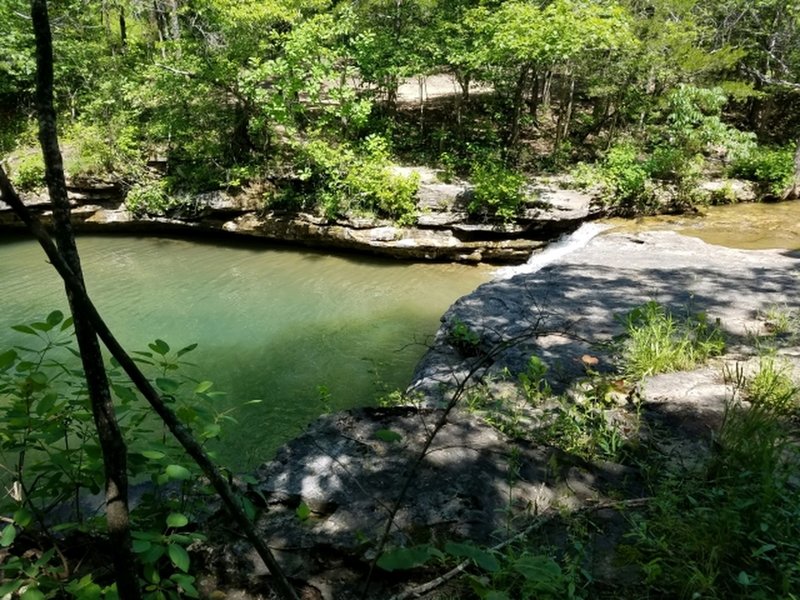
<point>729,530</point>
<point>463,338</point>
<point>626,179</point>
<point>534,381</point>
<point>344,181</point>
<point>497,190</point>
<point>52,461</point>
<point>590,426</point>
<point>772,387</point>
<point>657,342</point>
<point>92,150</point>
<point>28,173</point>
<point>149,199</point>
<point>522,572</point>
<point>773,167</point>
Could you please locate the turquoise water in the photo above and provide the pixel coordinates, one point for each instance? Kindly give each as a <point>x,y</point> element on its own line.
<point>272,324</point>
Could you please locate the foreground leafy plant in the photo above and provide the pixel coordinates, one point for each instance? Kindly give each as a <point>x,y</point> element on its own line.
<point>51,462</point>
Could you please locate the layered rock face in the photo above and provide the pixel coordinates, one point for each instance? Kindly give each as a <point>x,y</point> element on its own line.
<point>442,231</point>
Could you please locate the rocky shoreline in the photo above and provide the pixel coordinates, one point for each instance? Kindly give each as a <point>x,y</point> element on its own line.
<point>443,229</point>
<point>347,470</point>
<point>479,478</point>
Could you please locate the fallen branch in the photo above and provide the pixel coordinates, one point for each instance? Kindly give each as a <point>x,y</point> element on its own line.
<point>538,521</point>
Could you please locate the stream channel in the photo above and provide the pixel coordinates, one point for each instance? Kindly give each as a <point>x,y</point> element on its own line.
<point>275,324</point>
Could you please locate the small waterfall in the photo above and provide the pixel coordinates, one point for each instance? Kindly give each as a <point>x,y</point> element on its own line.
<point>566,243</point>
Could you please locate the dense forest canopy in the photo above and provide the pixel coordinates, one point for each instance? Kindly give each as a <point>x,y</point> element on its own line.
<point>220,93</point>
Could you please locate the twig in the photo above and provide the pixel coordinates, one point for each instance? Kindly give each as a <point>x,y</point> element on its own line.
<point>538,520</point>
<point>478,364</point>
<point>176,71</point>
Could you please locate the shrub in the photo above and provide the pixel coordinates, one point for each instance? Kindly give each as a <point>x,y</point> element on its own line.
<point>149,198</point>
<point>345,180</point>
<point>626,179</point>
<point>773,167</point>
<point>29,173</point>
<point>498,190</point>
<point>91,150</point>
<point>51,455</point>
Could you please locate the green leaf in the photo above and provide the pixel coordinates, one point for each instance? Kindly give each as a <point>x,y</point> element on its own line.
<point>185,350</point>
<point>10,587</point>
<point>187,584</point>
<point>744,578</point>
<point>387,435</point>
<point>203,387</point>
<point>153,454</point>
<point>38,379</point>
<point>54,318</point>
<point>179,557</point>
<point>763,549</point>
<point>159,347</point>
<point>485,560</point>
<point>45,405</point>
<point>495,595</point>
<point>124,393</point>
<point>7,359</point>
<point>177,472</point>
<point>212,430</point>
<point>141,546</point>
<point>41,326</point>
<point>177,520</point>
<point>32,594</point>
<point>540,570</point>
<point>400,559</point>
<point>23,329</point>
<point>168,386</point>
<point>23,518</point>
<point>8,536</point>
<point>303,511</point>
<point>249,508</point>
<point>66,324</point>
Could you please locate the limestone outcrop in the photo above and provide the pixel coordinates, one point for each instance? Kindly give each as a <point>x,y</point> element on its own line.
<point>442,231</point>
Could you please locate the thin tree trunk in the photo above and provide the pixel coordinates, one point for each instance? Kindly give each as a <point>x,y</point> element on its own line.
<point>793,193</point>
<point>176,427</point>
<point>123,29</point>
<point>546,86</point>
<point>533,101</point>
<point>110,438</point>
<point>516,109</point>
<point>565,115</point>
<point>174,23</point>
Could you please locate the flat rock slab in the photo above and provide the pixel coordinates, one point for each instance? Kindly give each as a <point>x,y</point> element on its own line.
<point>349,468</point>
<point>573,305</point>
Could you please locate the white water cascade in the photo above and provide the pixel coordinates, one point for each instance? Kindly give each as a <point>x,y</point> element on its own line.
<point>565,244</point>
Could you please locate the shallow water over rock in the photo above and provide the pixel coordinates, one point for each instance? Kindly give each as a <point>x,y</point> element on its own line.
<point>757,226</point>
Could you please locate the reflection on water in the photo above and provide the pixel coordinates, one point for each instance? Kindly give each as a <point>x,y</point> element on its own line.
<point>746,226</point>
<point>272,324</point>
